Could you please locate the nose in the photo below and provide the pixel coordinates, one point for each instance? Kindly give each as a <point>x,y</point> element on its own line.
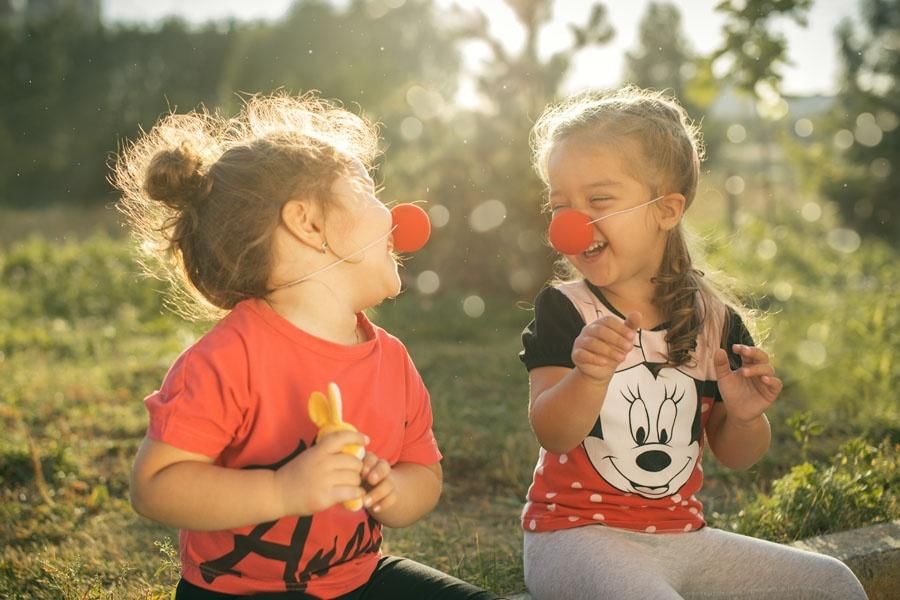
<point>653,461</point>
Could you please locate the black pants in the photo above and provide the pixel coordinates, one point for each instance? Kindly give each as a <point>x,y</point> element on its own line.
<point>394,578</point>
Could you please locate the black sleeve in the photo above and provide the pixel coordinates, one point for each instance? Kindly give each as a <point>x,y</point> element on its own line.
<point>548,339</point>
<point>735,333</point>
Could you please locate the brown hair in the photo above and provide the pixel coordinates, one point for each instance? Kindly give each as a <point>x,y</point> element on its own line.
<point>671,149</point>
<point>204,193</point>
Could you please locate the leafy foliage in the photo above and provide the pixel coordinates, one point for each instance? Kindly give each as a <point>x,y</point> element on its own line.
<point>858,486</point>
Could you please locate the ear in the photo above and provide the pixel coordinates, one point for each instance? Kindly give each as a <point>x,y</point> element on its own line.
<point>671,209</point>
<point>303,219</point>
<point>319,411</point>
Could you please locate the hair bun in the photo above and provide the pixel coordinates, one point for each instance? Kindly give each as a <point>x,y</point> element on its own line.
<point>174,177</point>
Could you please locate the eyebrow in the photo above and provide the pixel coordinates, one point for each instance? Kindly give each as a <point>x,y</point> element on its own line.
<point>604,183</point>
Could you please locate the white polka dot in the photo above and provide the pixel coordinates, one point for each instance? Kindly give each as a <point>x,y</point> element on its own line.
<point>684,502</point>
<point>532,525</point>
<point>576,485</point>
<point>688,527</point>
<point>598,517</point>
<point>540,470</point>
<point>596,498</point>
<point>563,459</point>
<point>672,508</point>
<point>676,498</point>
<point>550,495</point>
<point>551,507</point>
<point>693,498</point>
<point>651,529</point>
<point>573,518</point>
<point>704,407</point>
<point>693,510</point>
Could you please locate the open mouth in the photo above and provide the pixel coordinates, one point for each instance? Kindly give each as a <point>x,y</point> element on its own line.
<point>595,249</point>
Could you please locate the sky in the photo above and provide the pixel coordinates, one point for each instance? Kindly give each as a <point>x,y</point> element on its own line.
<point>811,50</point>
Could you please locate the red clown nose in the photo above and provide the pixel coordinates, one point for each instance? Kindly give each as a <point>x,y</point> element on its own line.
<point>570,232</point>
<point>411,228</point>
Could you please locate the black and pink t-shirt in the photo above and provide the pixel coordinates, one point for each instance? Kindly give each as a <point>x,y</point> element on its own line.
<point>640,466</point>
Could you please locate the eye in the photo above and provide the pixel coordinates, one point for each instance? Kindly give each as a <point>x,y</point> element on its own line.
<point>639,421</point>
<point>557,207</point>
<point>666,420</point>
<point>597,199</point>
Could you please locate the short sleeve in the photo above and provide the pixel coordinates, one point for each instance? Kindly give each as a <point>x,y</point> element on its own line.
<point>547,341</point>
<point>735,333</point>
<point>419,444</point>
<point>198,409</point>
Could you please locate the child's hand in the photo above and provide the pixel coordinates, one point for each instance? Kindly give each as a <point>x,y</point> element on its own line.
<point>376,478</point>
<point>604,344</point>
<point>750,390</point>
<point>321,476</point>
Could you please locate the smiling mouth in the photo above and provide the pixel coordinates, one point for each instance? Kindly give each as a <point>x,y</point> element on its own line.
<point>653,490</point>
<point>595,249</point>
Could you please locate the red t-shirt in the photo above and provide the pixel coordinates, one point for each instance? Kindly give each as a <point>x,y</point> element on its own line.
<point>240,395</point>
<point>639,467</point>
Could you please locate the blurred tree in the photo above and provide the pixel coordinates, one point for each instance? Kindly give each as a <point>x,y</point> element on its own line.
<point>487,177</point>
<point>752,55</point>
<point>664,59</point>
<point>862,137</point>
<point>74,92</point>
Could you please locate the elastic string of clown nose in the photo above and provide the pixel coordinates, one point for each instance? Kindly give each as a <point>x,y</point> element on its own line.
<point>625,210</point>
<point>333,263</point>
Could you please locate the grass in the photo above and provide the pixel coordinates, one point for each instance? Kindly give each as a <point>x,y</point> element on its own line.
<point>84,340</point>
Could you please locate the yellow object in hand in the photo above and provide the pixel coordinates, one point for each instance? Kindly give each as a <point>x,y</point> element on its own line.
<point>326,413</point>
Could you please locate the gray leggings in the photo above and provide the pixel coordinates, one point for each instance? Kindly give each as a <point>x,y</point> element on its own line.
<point>592,562</point>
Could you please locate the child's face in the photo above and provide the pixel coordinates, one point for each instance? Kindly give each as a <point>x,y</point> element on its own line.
<point>363,219</point>
<point>592,178</point>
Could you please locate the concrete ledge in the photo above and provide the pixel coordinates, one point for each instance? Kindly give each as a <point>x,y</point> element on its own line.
<point>872,553</point>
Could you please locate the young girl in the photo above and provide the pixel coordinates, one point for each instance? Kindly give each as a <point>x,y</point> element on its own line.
<point>272,217</point>
<point>631,365</point>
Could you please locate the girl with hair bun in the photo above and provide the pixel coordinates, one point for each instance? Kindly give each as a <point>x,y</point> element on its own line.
<point>270,222</point>
<point>636,361</point>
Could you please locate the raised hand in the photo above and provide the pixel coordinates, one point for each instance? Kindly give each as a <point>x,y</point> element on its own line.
<point>603,344</point>
<point>376,478</point>
<point>321,476</point>
<point>749,390</point>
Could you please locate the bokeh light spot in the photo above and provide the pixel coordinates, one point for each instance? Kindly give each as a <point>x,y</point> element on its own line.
<point>843,139</point>
<point>767,249</point>
<point>811,211</point>
<point>736,133</point>
<point>803,127</point>
<point>411,128</point>
<point>487,215</point>
<point>735,185</point>
<point>843,240</point>
<point>812,353</point>
<point>428,282</point>
<point>783,291</point>
<point>473,306</point>
<point>439,215</point>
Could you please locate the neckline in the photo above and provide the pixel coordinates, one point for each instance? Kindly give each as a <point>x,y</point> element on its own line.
<point>308,340</point>
<point>598,293</point>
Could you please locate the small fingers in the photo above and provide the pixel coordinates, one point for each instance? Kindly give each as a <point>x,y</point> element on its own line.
<point>753,354</point>
<point>368,462</point>
<point>335,442</point>
<point>757,370</point>
<point>774,384</point>
<point>380,497</point>
<point>378,473</point>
